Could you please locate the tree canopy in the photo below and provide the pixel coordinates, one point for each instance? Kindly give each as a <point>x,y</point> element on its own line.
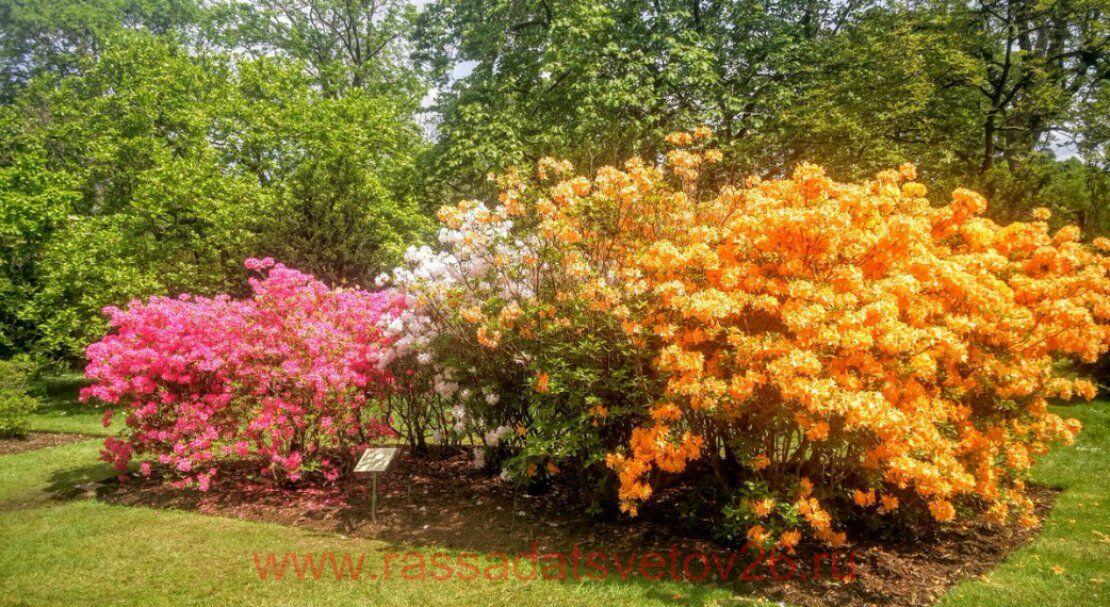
<point>147,146</point>
<point>980,93</point>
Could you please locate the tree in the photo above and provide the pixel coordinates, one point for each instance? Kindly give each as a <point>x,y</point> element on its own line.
<point>1041,82</point>
<point>359,44</point>
<point>958,87</point>
<point>60,36</point>
<point>121,192</point>
<point>1038,60</point>
<point>157,171</point>
<point>341,169</point>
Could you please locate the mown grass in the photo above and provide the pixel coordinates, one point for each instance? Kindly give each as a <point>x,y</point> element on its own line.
<point>60,411</point>
<point>59,548</point>
<point>1069,562</point>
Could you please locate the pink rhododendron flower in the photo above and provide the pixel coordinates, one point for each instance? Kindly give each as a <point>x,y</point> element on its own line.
<point>290,373</point>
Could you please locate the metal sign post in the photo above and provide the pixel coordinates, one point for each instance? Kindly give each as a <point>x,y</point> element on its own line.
<point>375,461</point>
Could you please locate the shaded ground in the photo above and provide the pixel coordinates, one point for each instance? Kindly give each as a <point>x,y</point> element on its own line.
<point>37,440</point>
<point>445,502</point>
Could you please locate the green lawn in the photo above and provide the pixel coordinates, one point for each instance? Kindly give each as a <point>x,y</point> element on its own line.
<point>60,549</point>
<point>60,411</point>
<point>1075,538</point>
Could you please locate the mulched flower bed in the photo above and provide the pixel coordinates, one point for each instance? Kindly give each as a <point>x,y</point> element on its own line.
<point>38,440</point>
<point>443,501</point>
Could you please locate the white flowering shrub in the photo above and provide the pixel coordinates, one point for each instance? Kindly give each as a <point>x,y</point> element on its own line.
<point>513,366</point>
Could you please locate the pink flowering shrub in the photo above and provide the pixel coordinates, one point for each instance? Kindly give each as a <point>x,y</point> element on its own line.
<point>292,373</point>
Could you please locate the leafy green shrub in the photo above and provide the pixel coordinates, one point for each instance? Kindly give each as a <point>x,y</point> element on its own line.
<point>16,405</point>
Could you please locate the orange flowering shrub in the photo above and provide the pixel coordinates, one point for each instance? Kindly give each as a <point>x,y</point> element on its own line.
<point>825,349</point>
<point>842,341</point>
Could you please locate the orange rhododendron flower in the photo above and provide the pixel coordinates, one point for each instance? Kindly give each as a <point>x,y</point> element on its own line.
<point>763,507</point>
<point>789,539</point>
<point>758,536</point>
<point>803,331</point>
<point>543,383</point>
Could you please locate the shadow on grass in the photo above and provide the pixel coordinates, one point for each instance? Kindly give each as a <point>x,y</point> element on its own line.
<point>85,481</point>
<point>60,411</point>
<point>66,406</point>
<point>62,386</point>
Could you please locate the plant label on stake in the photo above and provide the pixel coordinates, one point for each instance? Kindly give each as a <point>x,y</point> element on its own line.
<point>375,461</point>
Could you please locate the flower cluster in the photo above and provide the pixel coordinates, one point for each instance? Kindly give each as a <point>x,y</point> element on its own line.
<point>292,374</point>
<point>824,351</point>
<point>852,345</point>
<point>850,349</point>
<point>518,349</point>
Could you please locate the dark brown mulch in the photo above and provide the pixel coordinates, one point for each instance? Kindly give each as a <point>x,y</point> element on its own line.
<point>446,502</point>
<point>38,440</point>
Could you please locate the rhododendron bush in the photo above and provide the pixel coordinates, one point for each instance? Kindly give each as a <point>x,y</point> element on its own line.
<point>294,374</point>
<point>821,351</point>
<point>530,370</point>
<point>815,353</point>
<point>852,346</point>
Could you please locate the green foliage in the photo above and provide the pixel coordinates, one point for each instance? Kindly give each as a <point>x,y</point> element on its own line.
<point>157,171</point>
<point>121,192</point>
<point>146,146</point>
<point>1076,192</point>
<point>347,44</point>
<point>341,171</point>
<point>958,87</point>
<point>60,36</point>
<point>35,202</point>
<point>16,405</point>
<point>598,380</point>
